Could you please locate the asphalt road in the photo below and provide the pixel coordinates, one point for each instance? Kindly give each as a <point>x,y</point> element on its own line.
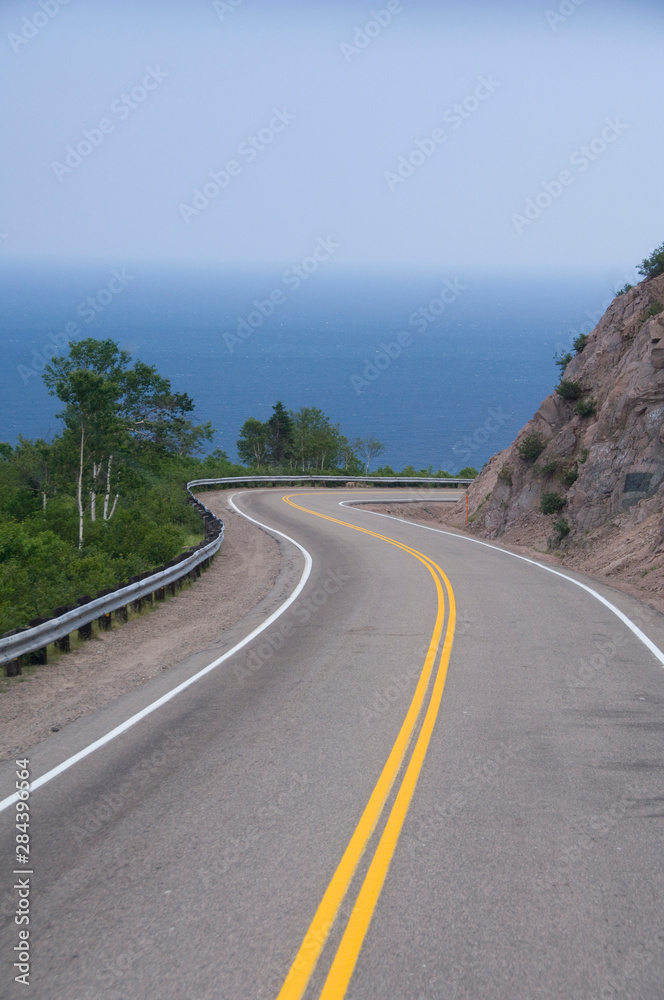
<point>318,813</point>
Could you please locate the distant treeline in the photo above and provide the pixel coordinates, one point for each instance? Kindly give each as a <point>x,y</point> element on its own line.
<point>104,500</point>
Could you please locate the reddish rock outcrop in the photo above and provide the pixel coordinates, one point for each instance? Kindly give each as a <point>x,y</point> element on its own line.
<point>614,508</point>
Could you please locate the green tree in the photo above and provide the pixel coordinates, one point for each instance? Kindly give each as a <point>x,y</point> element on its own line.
<point>317,442</point>
<point>34,463</point>
<point>368,449</point>
<point>653,266</point>
<point>253,443</point>
<point>113,410</point>
<point>281,431</point>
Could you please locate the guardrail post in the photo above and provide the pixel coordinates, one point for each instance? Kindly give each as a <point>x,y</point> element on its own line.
<point>105,621</point>
<point>38,657</point>
<point>160,592</point>
<point>13,667</point>
<point>84,631</point>
<point>63,645</point>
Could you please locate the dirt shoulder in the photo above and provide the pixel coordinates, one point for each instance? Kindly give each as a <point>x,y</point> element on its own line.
<point>113,663</point>
<point>622,555</point>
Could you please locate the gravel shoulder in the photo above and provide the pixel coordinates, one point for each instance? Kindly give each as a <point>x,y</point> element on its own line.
<point>113,663</point>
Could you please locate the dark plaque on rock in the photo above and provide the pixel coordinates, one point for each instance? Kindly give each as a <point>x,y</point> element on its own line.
<point>637,482</point>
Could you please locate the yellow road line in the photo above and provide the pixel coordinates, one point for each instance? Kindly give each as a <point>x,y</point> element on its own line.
<point>360,918</point>
<point>318,931</point>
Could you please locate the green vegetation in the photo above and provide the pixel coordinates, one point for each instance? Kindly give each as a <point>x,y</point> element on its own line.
<point>569,390</point>
<point>655,309</point>
<point>531,447</point>
<point>585,407</point>
<point>505,474</point>
<point>562,360</point>
<point>305,441</point>
<point>561,527</point>
<point>551,503</point>
<point>549,468</point>
<point>653,266</point>
<point>473,517</point>
<point>583,456</point>
<point>569,476</point>
<point>103,501</point>
<point>626,288</point>
<point>468,472</point>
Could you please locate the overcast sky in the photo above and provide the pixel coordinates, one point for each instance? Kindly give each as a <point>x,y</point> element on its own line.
<point>551,158</point>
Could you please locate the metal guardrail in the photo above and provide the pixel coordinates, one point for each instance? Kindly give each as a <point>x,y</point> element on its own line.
<point>372,480</point>
<point>31,640</point>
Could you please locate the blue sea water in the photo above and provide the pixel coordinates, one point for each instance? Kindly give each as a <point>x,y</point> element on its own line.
<point>475,366</point>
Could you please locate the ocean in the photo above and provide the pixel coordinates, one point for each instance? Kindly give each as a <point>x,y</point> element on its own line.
<point>444,368</point>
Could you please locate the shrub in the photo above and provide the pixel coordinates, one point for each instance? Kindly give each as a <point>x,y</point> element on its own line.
<point>569,390</point>
<point>548,468</point>
<point>468,472</point>
<point>161,543</point>
<point>585,407</point>
<point>624,289</point>
<point>583,456</point>
<point>653,266</point>
<point>561,527</point>
<point>506,474</point>
<point>655,309</point>
<point>531,447</point>
<point>562,360</point>
<point>580,342</point>
<point>551,503</point>
<point>569,476</point>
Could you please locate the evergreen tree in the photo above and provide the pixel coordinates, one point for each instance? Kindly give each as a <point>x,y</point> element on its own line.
<point>280,429</point>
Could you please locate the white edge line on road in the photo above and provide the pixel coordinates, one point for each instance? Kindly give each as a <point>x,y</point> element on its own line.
<point>308,563</point>
<point>533,562</point>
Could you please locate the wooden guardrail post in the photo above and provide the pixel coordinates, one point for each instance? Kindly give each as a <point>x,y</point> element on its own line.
<point>63,645</point>
<point>84,631</point>
<point>38,657</point>
<point>13,668</point>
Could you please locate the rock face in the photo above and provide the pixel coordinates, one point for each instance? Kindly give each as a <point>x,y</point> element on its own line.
<point>607,466</point>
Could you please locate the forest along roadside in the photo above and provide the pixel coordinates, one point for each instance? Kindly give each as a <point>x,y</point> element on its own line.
<point>113,663</point>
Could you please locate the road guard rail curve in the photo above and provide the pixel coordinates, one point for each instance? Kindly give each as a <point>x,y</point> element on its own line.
<point>34,639</point>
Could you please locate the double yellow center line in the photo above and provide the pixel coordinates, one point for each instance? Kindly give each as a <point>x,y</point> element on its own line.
<point>348,951</point>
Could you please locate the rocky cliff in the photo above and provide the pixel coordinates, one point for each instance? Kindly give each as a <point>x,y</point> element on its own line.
<point>601,454</point>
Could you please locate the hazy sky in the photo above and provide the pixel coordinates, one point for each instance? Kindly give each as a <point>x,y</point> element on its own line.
<point>356,137</point>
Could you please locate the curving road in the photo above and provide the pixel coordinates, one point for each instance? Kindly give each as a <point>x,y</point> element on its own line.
<point>437,773</point>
